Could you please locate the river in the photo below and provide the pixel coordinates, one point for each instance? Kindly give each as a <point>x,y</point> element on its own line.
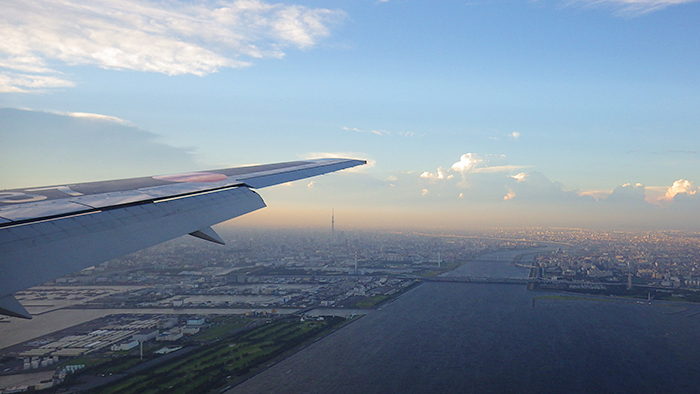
<point>489,338</point>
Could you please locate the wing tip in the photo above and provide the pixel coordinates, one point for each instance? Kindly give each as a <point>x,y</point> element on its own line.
<point>9,306</point>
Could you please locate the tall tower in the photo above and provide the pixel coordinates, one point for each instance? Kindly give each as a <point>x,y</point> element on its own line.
<point>355,261</point>
<point>629,281</point>
<point>332,225</point>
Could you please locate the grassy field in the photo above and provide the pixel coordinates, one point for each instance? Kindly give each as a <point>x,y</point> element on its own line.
<point>221,363</point>
<point>374,301</point>
<point>370,302</point>
<point>223,328</point>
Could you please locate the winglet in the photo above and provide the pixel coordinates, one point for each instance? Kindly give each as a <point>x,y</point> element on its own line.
<point>9,306</point>
<point>208,234</point>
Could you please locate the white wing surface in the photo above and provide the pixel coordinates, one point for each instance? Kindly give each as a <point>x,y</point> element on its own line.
<point>49,232</point>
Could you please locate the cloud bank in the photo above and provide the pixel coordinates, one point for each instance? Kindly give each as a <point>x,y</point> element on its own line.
<point>41,148</point>
<point>485,189</point>
<point>169,37</point>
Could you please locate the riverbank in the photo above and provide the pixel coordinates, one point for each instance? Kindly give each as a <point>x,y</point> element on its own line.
<point>224,362</point>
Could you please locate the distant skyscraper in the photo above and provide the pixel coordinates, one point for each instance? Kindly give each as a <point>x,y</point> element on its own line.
<point>332,225</point>
<point>629,281</point>
<point>355,261</point>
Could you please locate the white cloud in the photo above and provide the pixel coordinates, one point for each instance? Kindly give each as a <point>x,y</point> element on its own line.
<point>480,175</point>
<point>480,164</point>
<point>520,177</point>
<point>170,37</point>
<point>655,195</point>
<point>375,132</point>
<point>439,174</point>
<point>105,118</point>
<point>514,135</point>
<point>407,134</point>
<point>481,178</point>
<point>681,186</point>
<point>20,83</point>
<point>633,7</point>
<point>596,194</point>
<point>84,115</point>
<point>535,187</point>
<point>627,195</point>
<point>510,195</point>
<point>466,162</point>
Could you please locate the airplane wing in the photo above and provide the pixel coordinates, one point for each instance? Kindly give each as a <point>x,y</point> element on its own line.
<point>49,232</point>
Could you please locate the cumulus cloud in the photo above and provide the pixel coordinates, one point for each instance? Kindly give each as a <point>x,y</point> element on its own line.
<point>439,174</point>
<point>466,162</point>
<point>514,135</point>
<point>486,178</point>
<point>519,177</point>
<point>537,188</point>
<point>633,7</point>
<point>447,197</point>
<point>662,196</point>
<point>489,179</point>
<point>681,186</point>
<point>628,194</point>
<point>473,163</point>
<point>169,37</point>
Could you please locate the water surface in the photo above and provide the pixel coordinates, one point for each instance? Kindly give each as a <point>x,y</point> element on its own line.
<point>488,338</point>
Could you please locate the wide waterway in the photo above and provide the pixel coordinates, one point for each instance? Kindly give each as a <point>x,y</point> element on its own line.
<point>492,338</point>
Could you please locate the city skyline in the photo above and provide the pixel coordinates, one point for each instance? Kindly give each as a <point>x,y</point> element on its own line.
<point>570,114</point>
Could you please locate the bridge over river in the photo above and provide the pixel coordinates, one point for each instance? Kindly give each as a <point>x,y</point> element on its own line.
<point>480,279</point>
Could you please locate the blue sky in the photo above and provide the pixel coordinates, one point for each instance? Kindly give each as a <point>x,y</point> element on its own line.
<point>487,108</point>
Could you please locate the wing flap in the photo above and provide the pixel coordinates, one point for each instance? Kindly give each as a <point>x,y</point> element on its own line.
<point>21,212</point>
<point>34,253</point>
